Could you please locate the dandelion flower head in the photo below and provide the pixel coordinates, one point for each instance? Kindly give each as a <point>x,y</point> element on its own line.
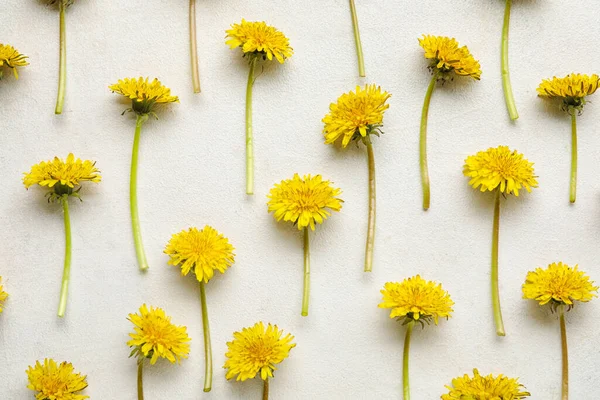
<point>55,381</point>
<point>257,349</point>
<point>485,388</point>
<point>144,94</point>
<point>446,56</point>
<point>3,295</point>
<point>10,57</point>
<point>572,89</point>
<point>202,251</point>
<point>260,40</point>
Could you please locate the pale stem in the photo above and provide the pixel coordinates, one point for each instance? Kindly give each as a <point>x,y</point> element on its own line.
<point>495,290</point>
<point>405,370</point>
<point>565,355</point>
<point>506,85</point>
<point>64,287</point>
<point>62,67</point>
<point>135,219</point>
<point>249,138</point>
<point>372,206</point>
<point>423,143</point>
<point>194,48</point>
<point>208,369</point>
<point>359,51</point>
<point>306,292</point>
<point>573,186</point>
<point>140,379</point>
<point>266,389</point>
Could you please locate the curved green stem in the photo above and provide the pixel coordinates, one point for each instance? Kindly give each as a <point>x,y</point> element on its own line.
<point>62,68</point>
<point>423,143</point>
<point>249,138</point>
<point>405,370</point>
<point>306,292</point>
<point>565,355</point>
<point>372,207</point>
<point>495,291</point>
<point>208,369</point>
<point>573,186</point>
<point>140,379</point>
<point>506,85</point>
<point>266,389</point>
<point>359,51</point>
<point>135,219</point>
<point>194,48</point>
<point>64,287</point>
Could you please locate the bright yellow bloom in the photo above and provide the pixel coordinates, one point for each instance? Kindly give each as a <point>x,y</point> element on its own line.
<point>485,388</point>
<point>304,201</point>
<point>143,94</point>
<point>446,56</point>
<point>416,299</point>
<point>3,296</point>
<point>500,167</point>
<point>203,250</point>
<point>255,350</point>
<point>62,175</point>
<point>10,57</point>
<point>155,336</point>
<point>558,283</point>
<point>572,89</point>
<point>56,382</point>
<point>355,115</point>
<point>259,39</point>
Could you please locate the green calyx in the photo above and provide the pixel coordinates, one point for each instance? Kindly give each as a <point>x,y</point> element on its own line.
<point>62,192</point>
<point>65,3</point>
<point>371,130</point>
<point>573,105</point>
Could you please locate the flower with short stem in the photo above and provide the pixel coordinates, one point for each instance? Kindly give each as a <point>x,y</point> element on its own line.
<point>154,337</point>
<point>256,350</point>
<point>3,296</point>
<point>488,387</point>
<point>54,381</point>
<point>572,90</point>
<point>145,96</point>
<point>305,202</point>
<point>62,67</point>
<point>11,58</point>
<point>63,178</point>
<point>258,41</point>
<point>356,116</point>
<point>509,98</point>
<point>359,50</point>
<point>202,252</point>
<point>559,286</point>
<point>413,301</point>
<point>447,59</point>
<point>504,172</point>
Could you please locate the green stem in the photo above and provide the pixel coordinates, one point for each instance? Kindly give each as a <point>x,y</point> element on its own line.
<point>573,186</point>
<point>194,48</point>
<point>62,68</point>
<point>208,369</point>
<point>140,379</point>
<point>306,292</point>
<point>266,389</point>
<point>565,355</point>
<point>135,219</point>
<point>405,370</point>
<point>506,85</point>
<point>372,207</point>
<point>423,143</point>
<point>359,51</point>
<point>249,139</point>
<point>64,287</point>
<point>495,290</point>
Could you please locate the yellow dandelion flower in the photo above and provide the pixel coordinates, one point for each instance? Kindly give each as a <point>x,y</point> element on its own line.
<point>257,349</point>
<point>156,337</point>
<point>55,381</point>
<point>304,201</point>
<point>416,299</point>
<point>356,114</point>
<point>573,88</point>
<point>259,39</point>
<point>560,284</point>
<point>485,388</point>
<point>10,57</point>
<point>204,251</point>
<point>143,93</point>
<point>3,296</point>
<point>500,168</point>
<point>62,175</point>
<point>446,56</point>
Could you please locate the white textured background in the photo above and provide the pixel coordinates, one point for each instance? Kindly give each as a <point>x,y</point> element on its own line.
<point>192,173</point>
